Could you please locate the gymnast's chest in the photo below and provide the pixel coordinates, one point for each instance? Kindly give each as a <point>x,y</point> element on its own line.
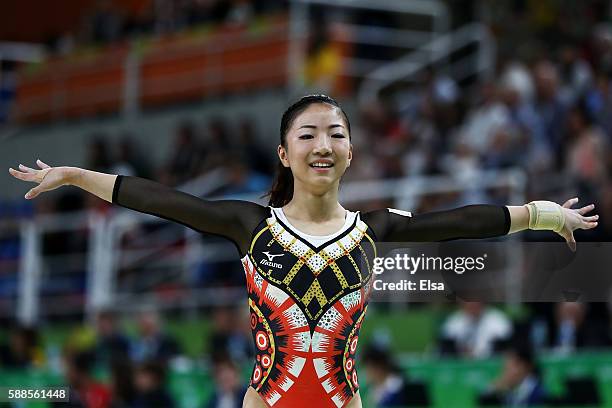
<point>315,276</point>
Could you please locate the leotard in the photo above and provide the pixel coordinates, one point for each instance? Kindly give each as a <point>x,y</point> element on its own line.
<point>307,295</point>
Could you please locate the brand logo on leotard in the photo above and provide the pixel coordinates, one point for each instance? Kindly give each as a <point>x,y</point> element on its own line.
<point>270,258</point>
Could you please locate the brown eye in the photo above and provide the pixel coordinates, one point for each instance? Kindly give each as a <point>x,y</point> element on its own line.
<point>338,135</point>
<point>303,137</point>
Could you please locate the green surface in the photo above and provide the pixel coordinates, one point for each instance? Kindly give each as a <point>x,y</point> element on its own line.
<point>453,383</point>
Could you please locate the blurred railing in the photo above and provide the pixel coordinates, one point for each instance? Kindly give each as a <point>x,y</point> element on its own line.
<point>129,255</point>
<point>193,65</point>
<point>480,63</point>
<point>431,16</point>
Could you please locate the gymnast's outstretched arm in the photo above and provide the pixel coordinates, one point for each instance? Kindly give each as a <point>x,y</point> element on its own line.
<point>232,219</point>
<point>481,221</point>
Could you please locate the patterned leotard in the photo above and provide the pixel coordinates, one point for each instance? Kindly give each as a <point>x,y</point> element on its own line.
<point>307,294</point>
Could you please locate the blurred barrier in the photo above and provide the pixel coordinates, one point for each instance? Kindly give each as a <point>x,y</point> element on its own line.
<point>481,63</point>
<point>190,66</point>
<point>148,73</point>
<point>451,383</point>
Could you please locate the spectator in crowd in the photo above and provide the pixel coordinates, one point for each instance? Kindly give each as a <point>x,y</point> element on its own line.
<point>241,180</point>
<point>229,390</point>
<point>104,24</point>
<point>256,157</point>
<point>572,329</point>
<point>185,159</point>
<point>474,331</point>
<point>152,342</point>
<point>587,152</point>
<point>111,345</point>
<point>219,144</point>
<point>150,382</point>
<point>227,335</point>
<point>98,154</point>
<point>486,120</point>
<point>389,388</point>
<point>129,161</point>
<point>121,384</point>
<point>323,61</point>
<point>548,104</point>
<point>85,390</point>
<point>22,350</point>
<point>519,384</point>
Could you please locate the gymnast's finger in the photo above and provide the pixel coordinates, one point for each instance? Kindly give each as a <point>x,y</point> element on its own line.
<point>26,169</point>
<point>585,209</point>
<point>570,202</point>
<point>21,175</point>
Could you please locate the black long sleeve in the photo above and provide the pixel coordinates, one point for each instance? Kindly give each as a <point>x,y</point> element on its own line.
<point>472,221</point>
<point>232,219</point>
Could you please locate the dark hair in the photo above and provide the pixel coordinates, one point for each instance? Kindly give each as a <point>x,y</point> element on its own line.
<point>379,356</point>
<point>526,356</point>
<point>282,187</point>
<point>155,368</point>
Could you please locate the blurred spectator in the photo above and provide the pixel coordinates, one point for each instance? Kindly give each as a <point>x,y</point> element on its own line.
<point>548,104</point>
<point>85,390</point>
<point>253,151</point>
<point>485,120</point>
<point>219,145</point>
<point>150,381</point>
<point>573,330</point>
<point>111,345</point>
<point>475,331</point>
<point>229,390</point>
<point>122,385</point>
<point>389,388</point>
<point>152,343</point>
<point>599,102</point>
<point>587,152</point>
<point>23,349</point>
<point>575,73</point>
<point>104,24</point>
<point>98,154</point>
<point>8,85</point>
<point>323,61</point>
<point>129,161</point>
<point>519,384</point>
<point>240,180</point>
<point>186,156</point>
<point>227,335</point>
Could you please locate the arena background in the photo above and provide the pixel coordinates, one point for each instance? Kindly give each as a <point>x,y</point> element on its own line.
<point>451,103</point>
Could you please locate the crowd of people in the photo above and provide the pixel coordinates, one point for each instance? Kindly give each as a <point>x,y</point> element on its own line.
<point>108,22</point>
<point>135,367</point>
<point>136,353</point>
<point>546,111</point>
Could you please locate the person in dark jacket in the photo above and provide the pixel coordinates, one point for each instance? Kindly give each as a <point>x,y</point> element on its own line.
<point>150,382</point>
<point>519,384</point>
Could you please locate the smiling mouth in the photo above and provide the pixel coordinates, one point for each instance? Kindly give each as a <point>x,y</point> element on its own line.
<point>321,166</point>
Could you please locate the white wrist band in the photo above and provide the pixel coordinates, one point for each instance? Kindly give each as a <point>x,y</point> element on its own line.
<point>545,215</point>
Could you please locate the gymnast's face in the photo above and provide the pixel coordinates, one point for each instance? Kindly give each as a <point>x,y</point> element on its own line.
<point>318,149</point>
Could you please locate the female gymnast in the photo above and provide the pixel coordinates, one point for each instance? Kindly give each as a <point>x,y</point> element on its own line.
<point>307,291</point>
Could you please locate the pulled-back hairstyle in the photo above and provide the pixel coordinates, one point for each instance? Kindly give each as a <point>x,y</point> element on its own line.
<point>282,187</point>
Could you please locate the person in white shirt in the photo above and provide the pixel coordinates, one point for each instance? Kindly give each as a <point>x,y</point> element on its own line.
<point>474,330</point>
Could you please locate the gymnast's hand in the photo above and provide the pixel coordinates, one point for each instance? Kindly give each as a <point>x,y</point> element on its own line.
<point>48,178</point>
<point>576,219</point>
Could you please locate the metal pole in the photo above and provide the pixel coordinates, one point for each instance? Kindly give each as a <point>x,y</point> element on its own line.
<point>29,274</point>
<point>131,84</point>
<point>298,31</point>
